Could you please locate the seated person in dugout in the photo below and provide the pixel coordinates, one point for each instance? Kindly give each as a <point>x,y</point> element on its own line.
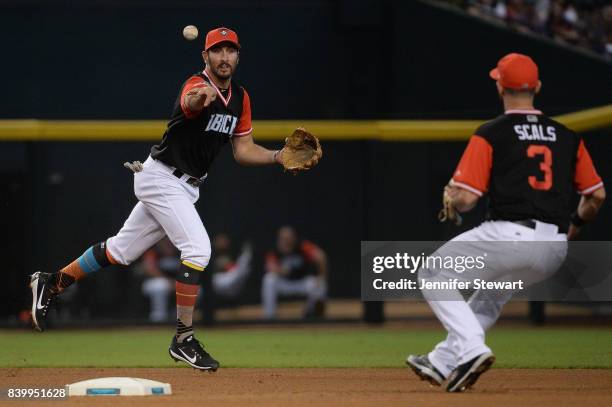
<point>229,274</point>
<point>161,263</point>
<point>295,267</point>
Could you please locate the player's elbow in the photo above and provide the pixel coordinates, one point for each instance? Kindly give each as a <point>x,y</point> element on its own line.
<point>598,197</point>
<point>242,151</point>
<point>240,155</point>
<point>465,201</point>
<point>239,158</point>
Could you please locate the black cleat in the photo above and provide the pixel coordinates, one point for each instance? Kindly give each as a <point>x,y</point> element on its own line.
<point>42,296</point>
<point>192,353</point>
<point>423,368</point>
<point>468,373</point>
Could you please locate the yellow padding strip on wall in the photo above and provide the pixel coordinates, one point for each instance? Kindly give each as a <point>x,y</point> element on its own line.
<point>277,130</point>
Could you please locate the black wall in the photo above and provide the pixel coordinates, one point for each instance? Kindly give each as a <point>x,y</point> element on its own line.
<point>300,59</point>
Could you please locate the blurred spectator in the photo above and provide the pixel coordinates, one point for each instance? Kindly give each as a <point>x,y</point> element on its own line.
<point>295,267</point>
<point>159,265</point>
<point>229,275</point>
<point>584,23</point>
<point>606,27</point>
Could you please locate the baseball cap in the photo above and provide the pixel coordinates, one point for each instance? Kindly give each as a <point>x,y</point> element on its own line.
<point>219,35</point>
<point>516,71</point>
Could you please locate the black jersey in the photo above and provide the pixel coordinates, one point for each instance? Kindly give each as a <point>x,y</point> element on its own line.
<point>530,165</point>
<point>192,141</point>
<point>299,263</point>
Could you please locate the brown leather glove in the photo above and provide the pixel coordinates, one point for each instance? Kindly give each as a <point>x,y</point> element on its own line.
<point>302,151</point>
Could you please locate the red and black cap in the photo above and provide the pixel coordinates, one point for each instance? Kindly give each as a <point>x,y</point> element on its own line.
<point>219,35</point>
<point>516,71</point>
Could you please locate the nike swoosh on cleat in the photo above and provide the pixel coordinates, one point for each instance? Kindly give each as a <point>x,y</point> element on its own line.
<point>192,360</point>
<point>39,305</point>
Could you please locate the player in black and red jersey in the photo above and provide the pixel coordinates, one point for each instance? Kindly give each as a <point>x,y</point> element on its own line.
<point>530,166</point>
<point>211,110</point>
<point>295,267</point>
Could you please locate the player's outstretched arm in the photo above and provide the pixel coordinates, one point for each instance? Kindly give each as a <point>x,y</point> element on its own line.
<point>246,152</point>
<point>587,211</point>
<point>199,98</point>
<point>590,204</point>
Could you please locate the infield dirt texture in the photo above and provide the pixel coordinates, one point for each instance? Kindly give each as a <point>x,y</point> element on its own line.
<point>312,366</point>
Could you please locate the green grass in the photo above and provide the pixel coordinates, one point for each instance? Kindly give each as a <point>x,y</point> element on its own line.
<point>334,347</point>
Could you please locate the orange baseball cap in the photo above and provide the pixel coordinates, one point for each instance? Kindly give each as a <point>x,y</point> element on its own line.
<point>516,71</point>
<point>219,35</point>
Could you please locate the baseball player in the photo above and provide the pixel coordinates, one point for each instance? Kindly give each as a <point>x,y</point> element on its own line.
<point>210,111</point>
<point>530,165</point>
<point>295,267</point>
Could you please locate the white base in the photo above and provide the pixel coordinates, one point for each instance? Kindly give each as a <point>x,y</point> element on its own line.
<point>119,386</point>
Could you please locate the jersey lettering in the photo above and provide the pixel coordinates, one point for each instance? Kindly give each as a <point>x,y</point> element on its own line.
<point>535,132</point>
<point>535,151</point>
<point>222,123</point>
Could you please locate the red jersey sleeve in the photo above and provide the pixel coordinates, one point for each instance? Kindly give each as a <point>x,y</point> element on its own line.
<point>586,179</point>
<point>474,169</point>
<point>244,127</point>
<point>309,250</point>
<point>192,83</point>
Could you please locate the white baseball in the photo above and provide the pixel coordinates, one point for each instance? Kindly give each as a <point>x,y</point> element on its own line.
<point>190,32</point>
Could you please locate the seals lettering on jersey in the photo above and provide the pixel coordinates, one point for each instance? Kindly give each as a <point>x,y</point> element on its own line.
<point>535,132</point>
<point>222,123</point>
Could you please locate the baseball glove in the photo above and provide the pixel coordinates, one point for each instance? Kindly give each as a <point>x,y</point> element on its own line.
<point>448,213</point>
<point>302,151</point>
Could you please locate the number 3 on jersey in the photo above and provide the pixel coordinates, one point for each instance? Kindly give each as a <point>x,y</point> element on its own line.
<point>545,166</point>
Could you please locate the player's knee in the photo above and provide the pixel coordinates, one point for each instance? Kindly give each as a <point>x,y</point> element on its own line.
<point>123,258</point>
<point>116,255</point>
<point>199,258</point>
<point>198,252</point>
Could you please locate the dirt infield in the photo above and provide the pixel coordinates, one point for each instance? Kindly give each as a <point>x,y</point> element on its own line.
<point>318,387</point>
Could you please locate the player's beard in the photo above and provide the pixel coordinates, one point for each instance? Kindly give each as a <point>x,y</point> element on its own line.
<point>222,73</point>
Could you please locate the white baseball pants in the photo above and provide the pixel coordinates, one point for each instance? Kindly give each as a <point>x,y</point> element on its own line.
<point>508,259</point>
<point>165,207</point>
<point>273,286</point>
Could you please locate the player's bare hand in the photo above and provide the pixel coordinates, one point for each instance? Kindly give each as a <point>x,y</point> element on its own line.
<point>452,191</point>
<point>201,97</point>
